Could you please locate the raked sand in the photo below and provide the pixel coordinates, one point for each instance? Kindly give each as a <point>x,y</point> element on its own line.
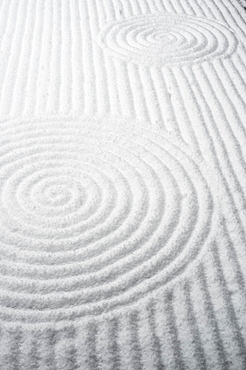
<point>122,184</point>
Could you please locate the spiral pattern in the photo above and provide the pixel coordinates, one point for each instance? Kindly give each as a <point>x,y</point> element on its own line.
<point>167,39</point>
<point>93,216</point>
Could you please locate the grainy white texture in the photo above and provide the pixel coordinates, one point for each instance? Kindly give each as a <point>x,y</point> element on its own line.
<point>122,184</point>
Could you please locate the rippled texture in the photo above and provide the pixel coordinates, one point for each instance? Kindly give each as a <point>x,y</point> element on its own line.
<point>167,39</point>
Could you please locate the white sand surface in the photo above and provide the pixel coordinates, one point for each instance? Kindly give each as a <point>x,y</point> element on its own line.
<point>122,184</point>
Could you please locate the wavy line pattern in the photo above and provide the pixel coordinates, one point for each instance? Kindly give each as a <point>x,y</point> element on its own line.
<point>122,185</point>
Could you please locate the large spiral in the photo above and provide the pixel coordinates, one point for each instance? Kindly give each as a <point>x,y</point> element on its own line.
<point>167,39</point>
<point>93,216</point>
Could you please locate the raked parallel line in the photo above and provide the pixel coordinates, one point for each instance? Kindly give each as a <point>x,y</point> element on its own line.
<point>122,185</point>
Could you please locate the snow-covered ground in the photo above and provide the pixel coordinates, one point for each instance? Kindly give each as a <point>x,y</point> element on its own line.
<point>122,184</point>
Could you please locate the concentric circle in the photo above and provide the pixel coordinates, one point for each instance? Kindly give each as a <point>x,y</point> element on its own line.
<point>94,215</point>
<point>167,39</point>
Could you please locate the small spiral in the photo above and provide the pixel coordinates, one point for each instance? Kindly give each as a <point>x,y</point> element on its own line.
<point>167,39</point>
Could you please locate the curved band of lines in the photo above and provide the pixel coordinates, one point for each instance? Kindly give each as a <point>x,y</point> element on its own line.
<point>93,217</point>
<point>167,39</point>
